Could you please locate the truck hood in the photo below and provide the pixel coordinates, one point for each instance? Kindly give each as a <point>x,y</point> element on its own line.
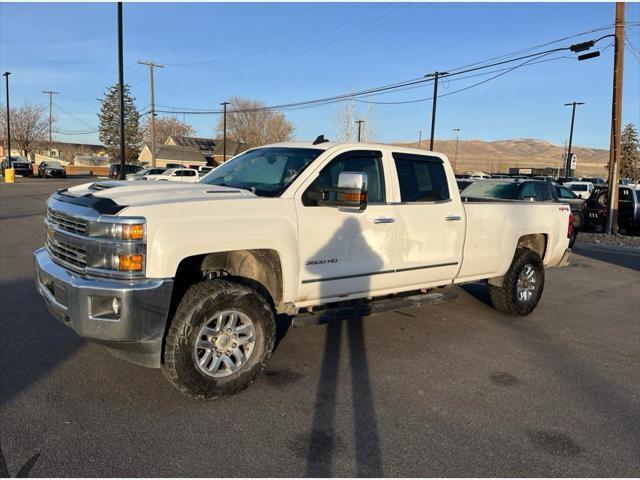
<point>140,193</point>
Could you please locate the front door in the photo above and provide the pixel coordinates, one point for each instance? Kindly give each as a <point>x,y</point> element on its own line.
<point>345,251</point>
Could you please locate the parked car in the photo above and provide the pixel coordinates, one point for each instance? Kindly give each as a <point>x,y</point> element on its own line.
<point>187,175</point>
<point>544,178</point>
<point>628,209</point>
<point>578,209</point>
<point>51,168</point>
<point>114,170</point>
<point>287,229</point>
<point>463,183</point>
<point>145,172</point>
<point>594,180</point>
<point>202,171</point>
<point>563,180</point>
<point>507,189</point>
<point>582,189</point>
<point>21,165</point>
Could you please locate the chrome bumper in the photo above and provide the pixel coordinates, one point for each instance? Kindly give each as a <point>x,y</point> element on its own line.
<point>135,334</point>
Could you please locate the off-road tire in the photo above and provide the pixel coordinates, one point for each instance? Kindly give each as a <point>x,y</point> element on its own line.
<point>505,298</point>
<point>198,305</point>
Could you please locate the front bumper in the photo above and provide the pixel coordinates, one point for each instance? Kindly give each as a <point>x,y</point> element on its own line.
<point>135,334</point>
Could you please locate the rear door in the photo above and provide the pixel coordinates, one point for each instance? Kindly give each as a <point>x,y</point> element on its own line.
<point>431,220</point>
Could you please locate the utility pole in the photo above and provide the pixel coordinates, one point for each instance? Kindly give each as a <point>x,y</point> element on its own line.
<point>419,138</point>
<point>6,77</point>
<point>435,76</point>
<point>151,66</point>
<point>616,120</point>
<point>359,122</point>
<point>123,175</point>
<point>455,158</point>
<point>51,94</point>
<point>224,130</point>
<point>567,167</point>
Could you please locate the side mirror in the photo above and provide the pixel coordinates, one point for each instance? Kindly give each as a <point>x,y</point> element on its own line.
<point>351,191</point>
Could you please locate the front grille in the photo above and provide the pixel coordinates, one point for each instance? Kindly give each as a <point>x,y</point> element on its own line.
<point>72,255</point>
<point>64,222</point>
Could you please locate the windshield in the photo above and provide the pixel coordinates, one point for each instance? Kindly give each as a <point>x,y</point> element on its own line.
<point>168,172</point>
<point>265,171</point>
<point>53,164</point>
<point>579,188</point>
<point>508,191</point>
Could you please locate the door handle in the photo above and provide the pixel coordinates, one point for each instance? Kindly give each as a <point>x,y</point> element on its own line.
<point>453,218</point>
<point>384,220</point>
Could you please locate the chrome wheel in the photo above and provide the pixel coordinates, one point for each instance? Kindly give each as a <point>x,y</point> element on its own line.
<point>526,283</point>
<point>224,343</point>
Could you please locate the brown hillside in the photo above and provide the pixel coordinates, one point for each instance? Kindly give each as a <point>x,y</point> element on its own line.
<point>498,156</point>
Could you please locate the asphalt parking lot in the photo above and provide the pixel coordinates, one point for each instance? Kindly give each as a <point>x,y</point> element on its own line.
<point>455,389</point>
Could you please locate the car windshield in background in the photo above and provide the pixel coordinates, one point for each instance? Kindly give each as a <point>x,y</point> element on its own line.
<point>504,190</point>
<point>579,188</point>
<point>53,165</point>
<point>264,171</point>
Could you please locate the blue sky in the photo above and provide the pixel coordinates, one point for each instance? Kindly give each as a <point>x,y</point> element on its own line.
<point>290,51</point>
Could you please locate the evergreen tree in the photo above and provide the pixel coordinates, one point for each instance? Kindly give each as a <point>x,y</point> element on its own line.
<point>629,153</point>
<point>110,124</point>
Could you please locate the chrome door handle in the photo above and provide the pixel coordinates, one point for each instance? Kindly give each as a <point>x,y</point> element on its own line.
<point>453,218</point>
<point>384,220</point>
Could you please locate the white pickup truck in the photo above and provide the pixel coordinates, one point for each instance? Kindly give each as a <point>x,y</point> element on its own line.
<point>189,277</point>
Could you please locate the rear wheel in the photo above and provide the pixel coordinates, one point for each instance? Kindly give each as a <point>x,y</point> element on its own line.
<point>220,339</point>
<point>522,285</point>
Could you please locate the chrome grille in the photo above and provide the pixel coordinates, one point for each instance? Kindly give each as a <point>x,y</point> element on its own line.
<point>64,222</point>
<point>72,255</point>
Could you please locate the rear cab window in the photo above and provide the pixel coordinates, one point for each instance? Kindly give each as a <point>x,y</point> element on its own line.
<point>421,178</point>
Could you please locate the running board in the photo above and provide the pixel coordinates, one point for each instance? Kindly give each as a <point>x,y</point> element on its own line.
<point>369,309</point>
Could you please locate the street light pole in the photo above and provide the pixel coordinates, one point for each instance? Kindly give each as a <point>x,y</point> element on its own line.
<point>435,76</point>
<point>359,122</point>
<point>567,168</point>
<point>455,158</point>
<point>123,175</point>
<point>419,138</point>
<point>224,131</point>
<point>6,77</point>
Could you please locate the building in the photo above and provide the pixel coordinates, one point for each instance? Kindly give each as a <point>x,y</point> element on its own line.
<point>191,151</point>
<point>174,154</point>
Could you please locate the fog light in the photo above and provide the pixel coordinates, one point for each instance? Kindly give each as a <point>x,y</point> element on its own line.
<point>115,306</point>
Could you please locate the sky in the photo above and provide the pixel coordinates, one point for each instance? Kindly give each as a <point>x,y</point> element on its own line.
<point>288,52</point>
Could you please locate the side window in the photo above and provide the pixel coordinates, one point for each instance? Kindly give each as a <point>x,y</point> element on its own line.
<point>528,190</point>
<point>177,173</point>
<point>565,193</point>
<point>366,161</point>
<point>421,178</point>
<point>189,173</point>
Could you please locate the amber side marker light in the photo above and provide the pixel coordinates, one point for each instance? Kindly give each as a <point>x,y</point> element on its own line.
<point>130,263</point>
<point>133,232</point>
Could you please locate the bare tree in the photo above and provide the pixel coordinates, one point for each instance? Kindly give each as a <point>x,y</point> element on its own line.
<point>345,122</point>
<point>248,122</point>
<point>29,126</point>
<point>165,127</point>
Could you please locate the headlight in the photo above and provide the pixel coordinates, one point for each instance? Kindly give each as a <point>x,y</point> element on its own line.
<point>117,245</point>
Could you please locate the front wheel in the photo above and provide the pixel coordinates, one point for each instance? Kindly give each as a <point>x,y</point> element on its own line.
<point>522,285</point>
<point>220,339</point>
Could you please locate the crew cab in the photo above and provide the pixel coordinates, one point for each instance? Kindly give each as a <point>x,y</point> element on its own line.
<point>189,277</point>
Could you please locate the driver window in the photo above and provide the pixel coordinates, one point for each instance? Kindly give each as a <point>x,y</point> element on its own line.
<point>528,190</point>
<point>369,162</point>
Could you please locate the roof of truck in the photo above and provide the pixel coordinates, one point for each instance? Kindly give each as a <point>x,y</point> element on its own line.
<point>328,145</point>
